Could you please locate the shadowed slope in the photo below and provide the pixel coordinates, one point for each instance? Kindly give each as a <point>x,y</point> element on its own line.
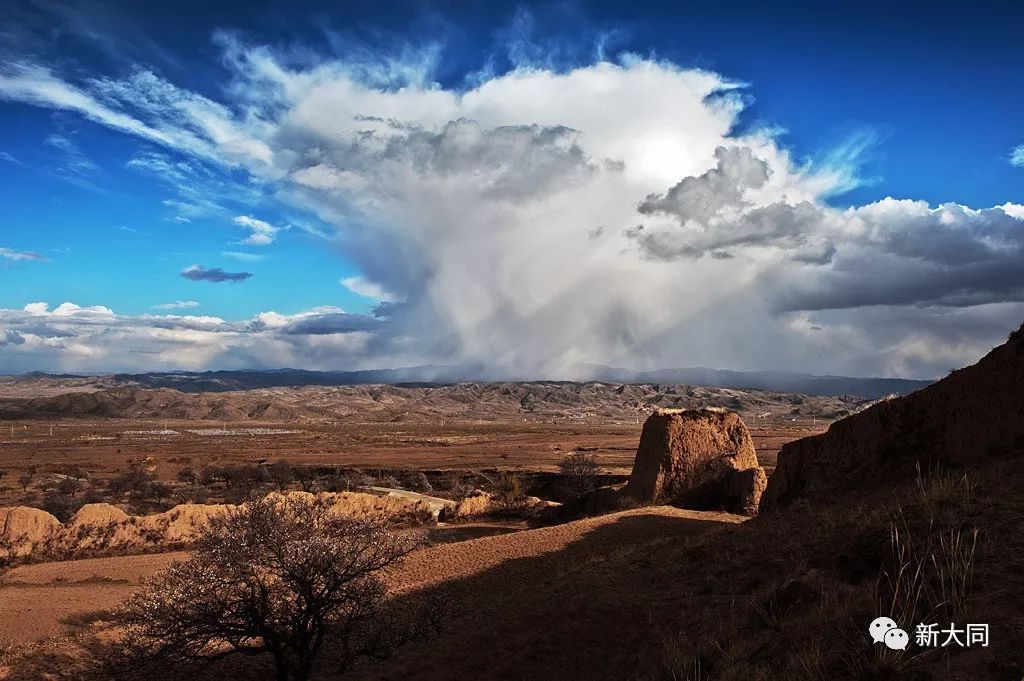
<point>973,415</point>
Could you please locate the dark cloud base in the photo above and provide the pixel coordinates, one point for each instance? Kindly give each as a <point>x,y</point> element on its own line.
<point>215,274</point>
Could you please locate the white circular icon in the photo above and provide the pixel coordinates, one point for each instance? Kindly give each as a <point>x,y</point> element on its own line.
<point>879,627</point>
<point>896,639</point>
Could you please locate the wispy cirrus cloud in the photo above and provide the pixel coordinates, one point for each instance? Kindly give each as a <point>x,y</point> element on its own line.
<point>212,274</point>
<point>261,232</point>
<point>144,105</point>
<point>1017,156</point>
<point>200,188</point>
<point>73,165</point>
<point>8,157</point>
<point>242,256</point>
<point>20,256</point>
<point>177,305</point>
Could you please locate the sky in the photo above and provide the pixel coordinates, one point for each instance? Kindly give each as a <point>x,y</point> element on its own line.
<point>528,188</point>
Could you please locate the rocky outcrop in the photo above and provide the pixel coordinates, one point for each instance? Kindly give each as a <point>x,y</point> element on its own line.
<point>699,458</point>
<point>481,503</point>
<point>22,527</point>
<point>598,501</point>
<point>736,491</point>
<point>98,528</point>
<point>973,415</point>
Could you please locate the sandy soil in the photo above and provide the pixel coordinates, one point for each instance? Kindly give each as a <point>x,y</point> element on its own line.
<point>466,559</point>
<point>49,599</point>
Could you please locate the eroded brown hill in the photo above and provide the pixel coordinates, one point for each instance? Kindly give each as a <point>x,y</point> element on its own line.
<point>402,403</point>
<point>972,416</point>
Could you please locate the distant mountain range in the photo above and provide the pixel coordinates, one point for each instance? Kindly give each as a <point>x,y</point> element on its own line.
<point>778,381</point>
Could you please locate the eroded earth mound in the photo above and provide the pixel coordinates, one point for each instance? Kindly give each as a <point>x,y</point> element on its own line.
<point>697,458</point>
<point>98,528</point>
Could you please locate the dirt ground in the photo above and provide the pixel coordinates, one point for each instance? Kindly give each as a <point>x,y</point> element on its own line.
<point>102,447</point>
<point>785,595</point>
<point>52,599</point>
<point>47,600</point>
<point>781,596</point>
<point>39,601</point>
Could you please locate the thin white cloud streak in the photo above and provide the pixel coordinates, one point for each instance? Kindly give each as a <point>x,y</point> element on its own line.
<point>11,158</point>
<point>178,119</point>
<point>21,256</point>
<point>242,256</point>
<point>364,287</point>
<point>74,166</point>
<point>177,305</point>
<point>37,85</point>
<point>506,218</point>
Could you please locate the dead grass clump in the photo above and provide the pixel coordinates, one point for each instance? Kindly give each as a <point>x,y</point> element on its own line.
<point>474,506</point>
<point>928,578</point>
<point>941,490</point>
<point>508,498</point>
<point>580,471</point>
<point>678,663</point>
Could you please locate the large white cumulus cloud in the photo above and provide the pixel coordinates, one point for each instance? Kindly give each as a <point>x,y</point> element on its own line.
<point>540,220</point>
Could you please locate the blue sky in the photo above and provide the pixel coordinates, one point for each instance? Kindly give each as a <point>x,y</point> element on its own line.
<point>111,240</point>
<point>205,140</point>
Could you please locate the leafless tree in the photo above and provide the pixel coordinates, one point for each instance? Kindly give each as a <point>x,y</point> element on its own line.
<point>281,473</point>
<point>187,476</point>
<point>305,476</point>
<point>580,471</point>
<point>137,483</point>
<point>69,486</point>
<point>278,577</point>
<point>26,478</point>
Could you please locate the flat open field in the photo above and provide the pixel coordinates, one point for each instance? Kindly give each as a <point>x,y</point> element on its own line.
<point>103,446</point>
